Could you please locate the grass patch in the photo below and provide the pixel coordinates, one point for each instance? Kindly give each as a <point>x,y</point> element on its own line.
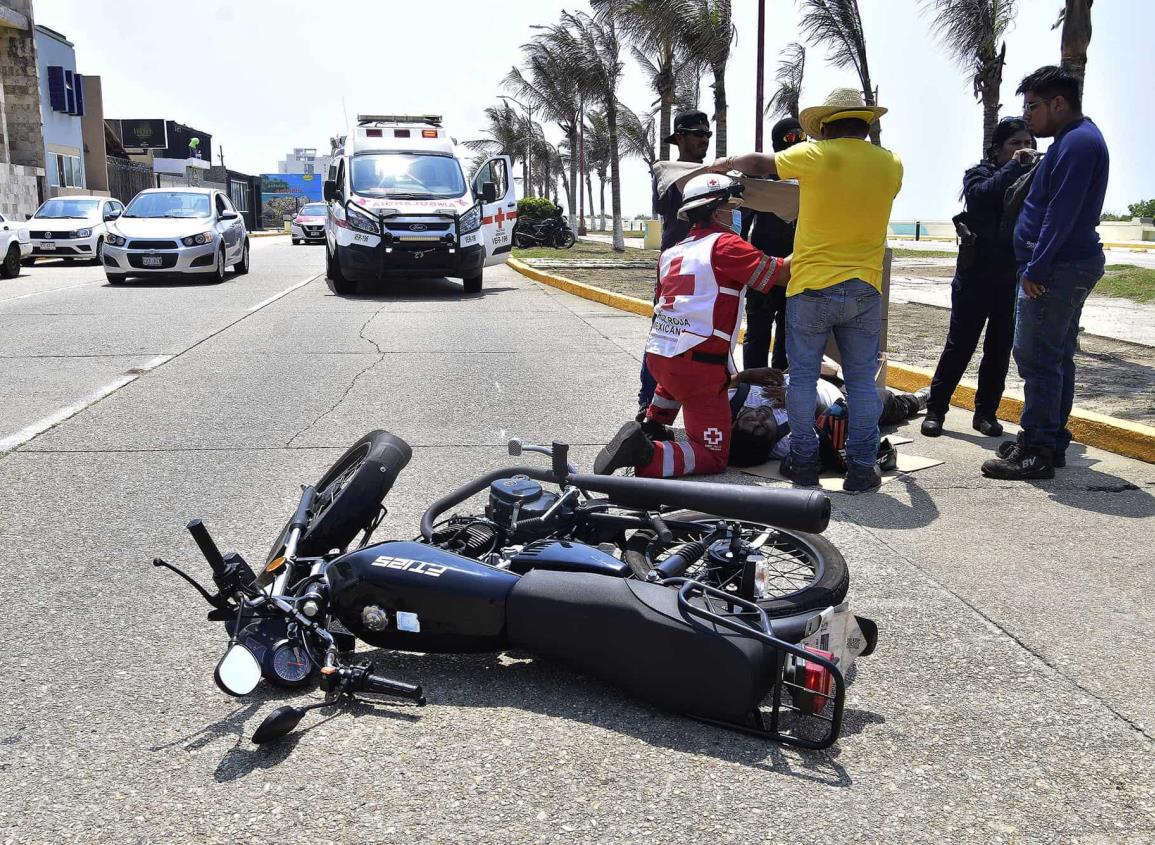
<point>924,253</point>
<point>585,249</point>
<point>1129,282</point>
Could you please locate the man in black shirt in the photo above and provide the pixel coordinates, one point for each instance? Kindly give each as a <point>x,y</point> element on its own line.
<point>774,236</point>
<point>692,135</point>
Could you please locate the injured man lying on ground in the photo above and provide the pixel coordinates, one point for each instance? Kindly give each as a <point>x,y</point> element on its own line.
<point>761,431</point>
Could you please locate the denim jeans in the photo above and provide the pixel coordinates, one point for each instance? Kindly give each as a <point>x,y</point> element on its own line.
<point>853,311</point>
<point>1046,337</point>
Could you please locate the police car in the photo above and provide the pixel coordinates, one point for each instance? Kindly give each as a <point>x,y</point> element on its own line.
<point>400,206</point>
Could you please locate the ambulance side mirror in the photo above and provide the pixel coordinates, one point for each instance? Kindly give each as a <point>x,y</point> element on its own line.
<point>489,192</point>
<point>330,191</point>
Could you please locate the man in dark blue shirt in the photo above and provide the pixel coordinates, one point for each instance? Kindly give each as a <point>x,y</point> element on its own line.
<point>1060,260</point>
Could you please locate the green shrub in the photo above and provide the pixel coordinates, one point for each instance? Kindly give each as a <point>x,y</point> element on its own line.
<point>534,208</point>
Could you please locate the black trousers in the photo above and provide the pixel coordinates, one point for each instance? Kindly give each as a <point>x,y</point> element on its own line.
<point>765,311</point>
<point>982,295</point>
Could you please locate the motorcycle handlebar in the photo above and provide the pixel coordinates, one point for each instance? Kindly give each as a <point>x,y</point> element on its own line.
<point>387,686</point>
<point>301,517</point>
<point>208,548</point>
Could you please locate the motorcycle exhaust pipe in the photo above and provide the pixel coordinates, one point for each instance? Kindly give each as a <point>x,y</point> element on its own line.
<point>797,510</point>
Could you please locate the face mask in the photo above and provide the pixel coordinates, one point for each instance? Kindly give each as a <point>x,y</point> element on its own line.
<point>736,222</point>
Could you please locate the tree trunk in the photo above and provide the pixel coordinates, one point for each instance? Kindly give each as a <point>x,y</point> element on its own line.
<point>581,156</point>
<point>1076,38</point>
<point>989,81</point>
<point>719,111</point>
<point>868,95</point>
<point>615,175</point>
<point>590,193</point>
<point>667,100</point>
<point>602,196</point>
<point>573,177</point>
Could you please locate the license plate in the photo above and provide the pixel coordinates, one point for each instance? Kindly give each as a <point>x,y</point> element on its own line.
<point>48,246</point>
<point>151,260</point>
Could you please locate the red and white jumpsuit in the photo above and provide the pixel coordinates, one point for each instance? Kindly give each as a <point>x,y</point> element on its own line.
<point>703,282</point>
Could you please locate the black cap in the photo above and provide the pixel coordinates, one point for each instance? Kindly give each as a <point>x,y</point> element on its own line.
<point>780,130</point>
<point>688,120</point>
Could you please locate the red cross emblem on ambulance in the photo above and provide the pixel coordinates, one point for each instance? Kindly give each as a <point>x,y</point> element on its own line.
<point>500,218</point>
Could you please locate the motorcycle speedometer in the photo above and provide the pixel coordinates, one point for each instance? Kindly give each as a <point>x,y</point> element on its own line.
<point>290,664</point>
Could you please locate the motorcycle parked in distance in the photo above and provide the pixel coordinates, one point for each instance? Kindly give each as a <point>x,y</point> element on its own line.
<point>553,231</point>
<point>717,601</point>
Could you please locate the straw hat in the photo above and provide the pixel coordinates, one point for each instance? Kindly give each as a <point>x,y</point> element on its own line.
<point>842,102</point>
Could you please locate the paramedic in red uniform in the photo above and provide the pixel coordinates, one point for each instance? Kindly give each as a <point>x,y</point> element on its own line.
<point>690,350</point>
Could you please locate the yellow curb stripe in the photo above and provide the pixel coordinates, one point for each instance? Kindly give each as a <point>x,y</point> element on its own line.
<point>1122,437</point>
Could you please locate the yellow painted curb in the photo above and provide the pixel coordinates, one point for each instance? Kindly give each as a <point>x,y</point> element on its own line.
<point>267,234</point>
<point>1122,437</point>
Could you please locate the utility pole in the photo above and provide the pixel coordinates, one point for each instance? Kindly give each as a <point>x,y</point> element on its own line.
<point>760,106</point>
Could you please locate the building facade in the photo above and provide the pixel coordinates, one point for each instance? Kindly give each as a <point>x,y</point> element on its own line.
<point>21,138</point>
<point>304,160</point>
<point>62,105</point>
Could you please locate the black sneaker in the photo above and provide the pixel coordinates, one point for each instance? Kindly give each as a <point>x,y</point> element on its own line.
<point>1021,464</point>
<point>802,476</point>
<point>932,425</point>
<point>862,479</point>
<point>629,448</point>
<point>987,426</point>
<point>1007,449</point>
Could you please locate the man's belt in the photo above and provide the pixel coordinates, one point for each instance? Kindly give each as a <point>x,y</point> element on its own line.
<point>707,358</point>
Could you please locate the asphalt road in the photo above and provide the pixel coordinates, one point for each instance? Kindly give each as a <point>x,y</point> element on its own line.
<point>1011,698</point>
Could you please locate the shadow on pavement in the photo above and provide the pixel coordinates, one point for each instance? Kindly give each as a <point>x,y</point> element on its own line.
<point>880,510</point>
<point>417,290</point>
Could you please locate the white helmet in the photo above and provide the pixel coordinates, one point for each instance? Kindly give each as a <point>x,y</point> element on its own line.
<point>710,188</point>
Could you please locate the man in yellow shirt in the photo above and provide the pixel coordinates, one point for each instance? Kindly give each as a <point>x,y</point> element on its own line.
<point>847,186</point>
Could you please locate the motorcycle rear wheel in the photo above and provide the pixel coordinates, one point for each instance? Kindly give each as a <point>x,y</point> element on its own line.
<point>522,241</point>
<point>806,571</point>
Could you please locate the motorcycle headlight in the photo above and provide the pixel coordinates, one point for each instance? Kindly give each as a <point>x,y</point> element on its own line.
<point>360,220</point>
<point>82,233</point>
<point>114,240</point>
<point>198,239</point>
<point>470,221</point>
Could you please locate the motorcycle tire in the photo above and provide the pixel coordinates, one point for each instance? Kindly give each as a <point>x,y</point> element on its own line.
<point>564,239</point>
<point>825,583</point>
<point>522,241</point>
<point>349,494</point>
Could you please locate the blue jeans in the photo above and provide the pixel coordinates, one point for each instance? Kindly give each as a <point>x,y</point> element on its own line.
<point>853,311</point>
<point>1046,337</point>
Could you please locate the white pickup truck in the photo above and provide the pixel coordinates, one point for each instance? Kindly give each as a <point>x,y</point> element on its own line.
<point>15,246</point>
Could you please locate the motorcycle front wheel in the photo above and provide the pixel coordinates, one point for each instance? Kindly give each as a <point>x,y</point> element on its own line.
<point>564,239</point>
<point>804,571</point>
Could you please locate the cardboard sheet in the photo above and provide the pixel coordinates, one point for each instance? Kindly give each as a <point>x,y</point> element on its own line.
<point>777,197</point>
<point>833,483</point>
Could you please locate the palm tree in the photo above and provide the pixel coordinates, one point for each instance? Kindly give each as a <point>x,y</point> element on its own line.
<point>593,48</point>
<point>598,152</point>
<point>506,135</point>
<point>1076,37</point>
<point>784,100</point>
<point>687,88</point>
<point>838,24</point>
<point>639,137</point>
<point>970,30</point>
<point>706,30</point>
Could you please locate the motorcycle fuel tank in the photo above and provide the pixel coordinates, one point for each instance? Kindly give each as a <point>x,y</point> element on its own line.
<point>414,597</point>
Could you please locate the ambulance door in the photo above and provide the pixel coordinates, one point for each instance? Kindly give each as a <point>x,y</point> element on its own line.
<point>497,218</point>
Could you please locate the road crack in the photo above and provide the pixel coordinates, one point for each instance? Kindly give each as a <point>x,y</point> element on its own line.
<point>353,383</point>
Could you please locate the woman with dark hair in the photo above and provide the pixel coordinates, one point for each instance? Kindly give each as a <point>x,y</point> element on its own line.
<point>985,282</point>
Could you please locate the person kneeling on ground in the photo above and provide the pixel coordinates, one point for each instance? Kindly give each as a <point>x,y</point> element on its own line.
<point>761,430</point>
<point>692,338</point>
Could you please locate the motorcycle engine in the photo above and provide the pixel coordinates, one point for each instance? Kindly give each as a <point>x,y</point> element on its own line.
<point>518,503</point>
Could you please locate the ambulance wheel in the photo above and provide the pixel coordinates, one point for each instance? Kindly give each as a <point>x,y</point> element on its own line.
<point>334,278</point>
<point>296,241</point>
<point>473,284</point>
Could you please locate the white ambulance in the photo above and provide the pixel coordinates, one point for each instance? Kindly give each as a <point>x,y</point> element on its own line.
<point>400,206</point>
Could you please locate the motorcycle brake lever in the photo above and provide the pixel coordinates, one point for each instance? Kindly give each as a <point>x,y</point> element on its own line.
<point>218,601</point>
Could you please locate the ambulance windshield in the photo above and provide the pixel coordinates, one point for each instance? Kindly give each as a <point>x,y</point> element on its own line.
<point>407,176</point>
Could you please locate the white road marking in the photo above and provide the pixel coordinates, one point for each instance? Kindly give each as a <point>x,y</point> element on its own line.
<point>53,290</point>
<point>56,417</point>
<point>277,296</point>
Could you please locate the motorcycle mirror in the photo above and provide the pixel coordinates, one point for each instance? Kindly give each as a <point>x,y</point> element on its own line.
<point>238,671</point>
<point>514,447</point>
<point>277,724</point>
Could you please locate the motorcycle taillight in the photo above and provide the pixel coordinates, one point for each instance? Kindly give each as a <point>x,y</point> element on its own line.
<point>817,684</point>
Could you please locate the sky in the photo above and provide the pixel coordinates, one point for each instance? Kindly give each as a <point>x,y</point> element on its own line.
<point>264,77</point>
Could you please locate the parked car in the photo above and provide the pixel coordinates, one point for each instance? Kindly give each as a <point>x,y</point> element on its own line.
<point>309,224</point>
<point>177,230</point>
<point>15,246</point>
<point>72,227</point>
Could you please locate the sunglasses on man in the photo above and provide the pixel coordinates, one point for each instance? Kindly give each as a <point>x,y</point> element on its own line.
<point>793,136</point>
<point>697,133</point>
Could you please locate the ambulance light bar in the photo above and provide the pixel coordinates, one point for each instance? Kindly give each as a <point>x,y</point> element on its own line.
<point>434,119</point>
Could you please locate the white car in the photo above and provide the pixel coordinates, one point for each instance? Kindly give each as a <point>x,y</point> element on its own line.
<point>72,227</point>
<point>177,230</point>
<point>309,224</point>
<point>15,246</point>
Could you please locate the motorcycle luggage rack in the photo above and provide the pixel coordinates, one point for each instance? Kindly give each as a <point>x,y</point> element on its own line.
<point>752,621</point>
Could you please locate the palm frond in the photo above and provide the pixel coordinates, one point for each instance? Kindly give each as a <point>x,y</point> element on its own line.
<point>837,25</point>
<point>788,76</point>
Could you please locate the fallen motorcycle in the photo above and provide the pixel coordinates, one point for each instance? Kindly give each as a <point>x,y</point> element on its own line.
<point>552,231</point>
<point>713,600</point>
